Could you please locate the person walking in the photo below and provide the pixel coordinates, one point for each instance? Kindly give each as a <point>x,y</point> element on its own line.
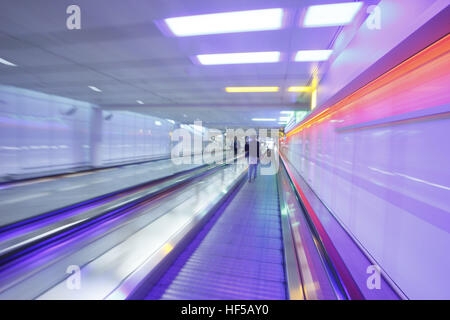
<point>253,158</point>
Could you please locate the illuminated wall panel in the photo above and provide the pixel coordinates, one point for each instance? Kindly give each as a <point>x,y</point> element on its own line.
<point>40,133</point>
<point>379,159</point>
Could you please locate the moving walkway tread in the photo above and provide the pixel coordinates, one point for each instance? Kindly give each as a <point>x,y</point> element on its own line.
<point>237,255</point>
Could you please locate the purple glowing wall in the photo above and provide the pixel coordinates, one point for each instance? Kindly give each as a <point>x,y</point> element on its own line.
<point>379,160</point>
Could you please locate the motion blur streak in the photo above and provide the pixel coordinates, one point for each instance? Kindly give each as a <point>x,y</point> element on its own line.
<point>420,65</point>
<point>375,159</point>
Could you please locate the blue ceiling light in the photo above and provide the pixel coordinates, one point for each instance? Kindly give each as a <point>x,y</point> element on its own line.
<point>312,55</point>
<point>8,63</point>
<point>237,58</point>
<point>326,15</point>
<point>226,22</point>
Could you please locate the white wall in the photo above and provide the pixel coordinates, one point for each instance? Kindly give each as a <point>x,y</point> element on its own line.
<point>41,133</point>
<point>130,136</point>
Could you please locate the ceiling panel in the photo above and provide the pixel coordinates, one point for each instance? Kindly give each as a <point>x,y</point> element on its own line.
<point>121,51</point>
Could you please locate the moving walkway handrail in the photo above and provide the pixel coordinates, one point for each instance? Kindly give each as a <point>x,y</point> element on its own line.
<point>60,211</point>
<point>347,256</point>
<point>343,279</point>
<point>294,282</point>
<point>142,280</point>
<point>16,254</point>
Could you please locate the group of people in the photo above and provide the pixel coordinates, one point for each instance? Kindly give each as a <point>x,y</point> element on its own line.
<point>251,154</point>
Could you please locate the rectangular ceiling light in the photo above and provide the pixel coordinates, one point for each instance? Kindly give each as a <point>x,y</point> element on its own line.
<point>140,101</point>
<point>252,89</point>
<point>264,119</point>
<point>313,55</point>
<point>237,58</point>
<point>6,62</point>
<point>337,14</point>
<point>284,119</point>
<point>299,89</point>
<point>227,22</point>
<point>94,89</point>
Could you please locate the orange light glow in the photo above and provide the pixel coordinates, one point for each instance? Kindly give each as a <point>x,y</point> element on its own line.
<point>427,55</point>
<point>299,89</point>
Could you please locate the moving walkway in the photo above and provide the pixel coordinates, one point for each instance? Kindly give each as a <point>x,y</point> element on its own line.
<point>201,234</point>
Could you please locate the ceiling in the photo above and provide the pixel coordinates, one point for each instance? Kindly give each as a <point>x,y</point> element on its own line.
<point>120,50</point>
